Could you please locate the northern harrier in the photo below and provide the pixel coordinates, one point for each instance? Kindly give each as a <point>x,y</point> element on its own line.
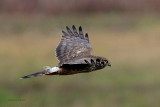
<point>74,55</point>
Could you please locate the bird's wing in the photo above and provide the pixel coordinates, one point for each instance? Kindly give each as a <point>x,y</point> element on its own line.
<point>73,45</point>
<point>78,64</point>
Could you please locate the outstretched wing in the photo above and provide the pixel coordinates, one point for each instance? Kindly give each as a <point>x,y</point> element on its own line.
<point>73,45</point>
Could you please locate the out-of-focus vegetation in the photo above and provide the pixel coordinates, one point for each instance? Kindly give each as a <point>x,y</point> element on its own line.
<point>131,43</point>
<point>56,7</point>
<point>126,32</point>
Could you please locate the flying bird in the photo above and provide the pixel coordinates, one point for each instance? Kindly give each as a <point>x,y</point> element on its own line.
<point>74,53</point>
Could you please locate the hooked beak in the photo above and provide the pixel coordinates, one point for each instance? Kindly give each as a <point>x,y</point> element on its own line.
<point>109,64</point>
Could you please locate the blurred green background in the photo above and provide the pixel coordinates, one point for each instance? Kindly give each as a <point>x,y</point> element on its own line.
<point>125,32</point>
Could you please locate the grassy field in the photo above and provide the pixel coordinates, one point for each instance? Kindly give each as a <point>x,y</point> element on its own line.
<point>130,42</point>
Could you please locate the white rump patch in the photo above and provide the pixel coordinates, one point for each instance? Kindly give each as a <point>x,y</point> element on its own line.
<point>51,70</point>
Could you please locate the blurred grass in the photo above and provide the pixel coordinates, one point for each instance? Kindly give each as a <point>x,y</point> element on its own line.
<point>130,42</point>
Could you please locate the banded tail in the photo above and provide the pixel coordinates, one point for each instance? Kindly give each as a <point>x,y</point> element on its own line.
<point>46,71</point>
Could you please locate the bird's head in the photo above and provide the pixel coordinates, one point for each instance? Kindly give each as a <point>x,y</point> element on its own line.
<point>103,62</point>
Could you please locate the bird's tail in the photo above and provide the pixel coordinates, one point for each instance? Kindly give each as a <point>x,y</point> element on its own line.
<point>46,71</point>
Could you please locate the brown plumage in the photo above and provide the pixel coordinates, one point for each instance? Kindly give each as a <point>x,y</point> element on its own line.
<point>74,55</point>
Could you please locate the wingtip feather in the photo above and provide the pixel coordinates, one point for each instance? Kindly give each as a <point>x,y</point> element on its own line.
<point>67,27</point>
<point>73,26</point>
<point>80,28</point>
